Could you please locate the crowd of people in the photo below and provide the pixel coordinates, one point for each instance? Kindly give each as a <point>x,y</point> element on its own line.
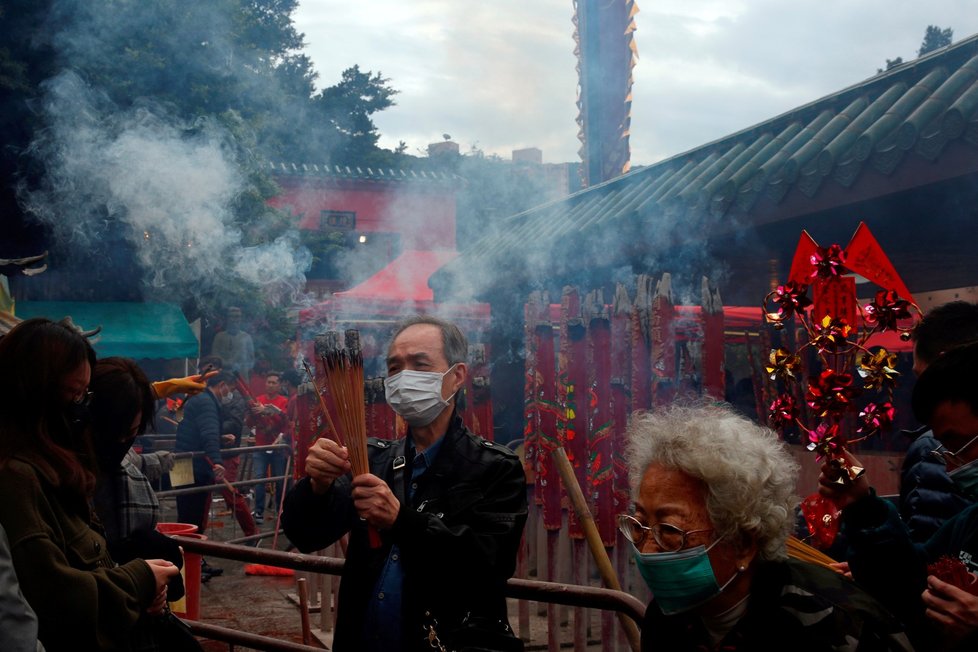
<point>82,565</point>
<point>435,522</point>
<point>75,594</point>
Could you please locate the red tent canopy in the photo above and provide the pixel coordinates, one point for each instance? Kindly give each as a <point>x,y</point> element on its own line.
<point>404,279</point>
<point>399,289</point>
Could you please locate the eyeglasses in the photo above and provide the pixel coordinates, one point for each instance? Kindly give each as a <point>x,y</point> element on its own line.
<point>83,399</point>
<point>668,538</point>
<point>944,455</point>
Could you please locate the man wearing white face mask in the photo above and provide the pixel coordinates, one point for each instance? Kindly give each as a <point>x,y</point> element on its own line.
<point>449,507</point>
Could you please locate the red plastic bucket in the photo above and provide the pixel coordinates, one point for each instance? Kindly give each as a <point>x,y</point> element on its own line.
<point>170,529</point>
<point>189,605</point>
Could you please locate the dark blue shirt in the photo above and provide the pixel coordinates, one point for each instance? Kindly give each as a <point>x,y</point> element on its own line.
<point>382,627</point>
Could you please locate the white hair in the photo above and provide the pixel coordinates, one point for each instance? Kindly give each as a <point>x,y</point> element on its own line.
<point>748,473</point>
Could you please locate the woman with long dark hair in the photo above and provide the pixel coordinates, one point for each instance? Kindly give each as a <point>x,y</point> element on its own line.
<point>83,600</point>
<point>123,402</point>
<point>122,408</point>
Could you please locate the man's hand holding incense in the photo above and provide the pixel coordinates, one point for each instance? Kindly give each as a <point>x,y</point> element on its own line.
<point>374,501</point>
<point>325,462</point>
<point>953,610</point>
<point>835,484</point>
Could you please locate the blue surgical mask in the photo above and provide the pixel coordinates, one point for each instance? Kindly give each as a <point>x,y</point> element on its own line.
<point>965,478</point>
<point>679,580</point>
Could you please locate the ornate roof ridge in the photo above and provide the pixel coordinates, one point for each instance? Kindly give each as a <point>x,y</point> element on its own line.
<point>363,172</point>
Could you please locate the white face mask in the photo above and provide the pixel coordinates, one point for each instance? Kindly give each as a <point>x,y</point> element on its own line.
<point>416,395</point>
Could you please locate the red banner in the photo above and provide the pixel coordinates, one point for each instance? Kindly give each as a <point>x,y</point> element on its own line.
<point>639,338</point>
<point>836,297</point>
<point>663,339</point>
<point>714,382</point>
<point>599,488</point>
<point>620,369</point>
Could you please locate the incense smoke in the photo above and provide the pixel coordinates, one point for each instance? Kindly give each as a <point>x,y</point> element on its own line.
<point>165,188</point>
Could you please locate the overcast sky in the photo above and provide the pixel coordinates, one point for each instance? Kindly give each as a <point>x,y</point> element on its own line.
<point>499,74</point>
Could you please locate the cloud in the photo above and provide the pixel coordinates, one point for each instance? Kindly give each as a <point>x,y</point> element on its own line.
<point>501,74</point>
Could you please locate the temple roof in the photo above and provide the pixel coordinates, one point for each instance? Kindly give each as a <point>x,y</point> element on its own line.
<point>365,173</point>
<point>875,138</point>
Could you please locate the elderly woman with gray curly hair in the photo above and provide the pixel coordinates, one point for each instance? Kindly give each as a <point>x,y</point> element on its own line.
<point>713,506</point>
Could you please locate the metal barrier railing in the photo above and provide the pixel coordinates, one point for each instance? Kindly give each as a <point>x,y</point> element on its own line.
<point>252,641</point>
<point>171,493</point>
<point>521,589</point>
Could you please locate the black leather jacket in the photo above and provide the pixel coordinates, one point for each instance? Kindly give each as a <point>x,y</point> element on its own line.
<point>458,537</point>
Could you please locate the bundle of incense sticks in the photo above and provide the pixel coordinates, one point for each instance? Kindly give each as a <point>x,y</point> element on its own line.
<point>798,549</point>
<point>343,363</point>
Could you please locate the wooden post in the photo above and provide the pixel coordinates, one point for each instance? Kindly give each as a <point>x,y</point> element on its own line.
<point>553,618</point>
<point>542,555</point>
<point>325,597</point>
<point>578,577</point>
<point>621,566</point>
<point>304,610</point>
<point>523,606</point>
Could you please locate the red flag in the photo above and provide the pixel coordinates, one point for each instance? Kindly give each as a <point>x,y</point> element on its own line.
<point>801,264</point>
<point>865,257</point>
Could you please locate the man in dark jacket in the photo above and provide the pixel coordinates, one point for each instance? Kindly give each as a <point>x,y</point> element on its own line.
<point>927,495</point>
<point>234,408</point>
<point>436,524</point>
<point>200,430</point>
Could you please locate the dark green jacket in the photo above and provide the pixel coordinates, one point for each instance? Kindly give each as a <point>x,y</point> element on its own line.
<point>793,605</point>
<point>885,561</point>
<point>82,599</point>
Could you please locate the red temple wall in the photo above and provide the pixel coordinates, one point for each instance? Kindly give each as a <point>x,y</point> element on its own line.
<point>423,215</point>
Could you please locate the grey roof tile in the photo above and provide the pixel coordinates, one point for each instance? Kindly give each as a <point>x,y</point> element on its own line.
<point>916,109</point>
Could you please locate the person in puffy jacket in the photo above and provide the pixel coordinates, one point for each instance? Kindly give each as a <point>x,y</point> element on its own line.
<point>928,498</point>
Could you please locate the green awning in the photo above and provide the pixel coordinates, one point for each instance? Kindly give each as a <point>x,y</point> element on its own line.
<point>131,330</point>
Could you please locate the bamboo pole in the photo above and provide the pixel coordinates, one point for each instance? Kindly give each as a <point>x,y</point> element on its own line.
<point>608,574</point>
